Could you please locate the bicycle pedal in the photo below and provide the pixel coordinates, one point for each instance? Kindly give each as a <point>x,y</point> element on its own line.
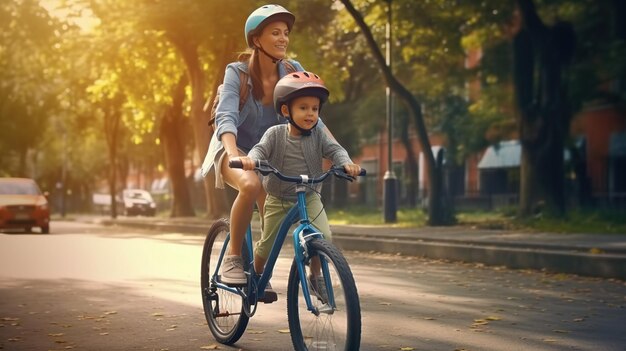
<point>268,298</point>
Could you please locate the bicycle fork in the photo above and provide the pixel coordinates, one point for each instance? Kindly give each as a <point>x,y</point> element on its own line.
<point>301,237</point>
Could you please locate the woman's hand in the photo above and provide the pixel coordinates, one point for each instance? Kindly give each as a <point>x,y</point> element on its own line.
<point>352,169</point>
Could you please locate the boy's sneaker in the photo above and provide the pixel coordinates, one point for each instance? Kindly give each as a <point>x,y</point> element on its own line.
<point>318,288</point>
<point>232,271</point>
<point>270,295</point>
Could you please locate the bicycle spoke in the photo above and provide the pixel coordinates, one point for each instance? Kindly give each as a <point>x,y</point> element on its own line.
<point>330,328</point>
<point>223,309</point>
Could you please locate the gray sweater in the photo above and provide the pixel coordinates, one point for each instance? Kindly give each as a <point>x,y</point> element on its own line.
<point>314,147</point>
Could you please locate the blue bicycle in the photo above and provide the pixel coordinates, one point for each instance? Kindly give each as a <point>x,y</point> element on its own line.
<point>332,322</point>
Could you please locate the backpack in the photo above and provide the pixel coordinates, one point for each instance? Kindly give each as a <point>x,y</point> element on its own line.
<point>243,94</point>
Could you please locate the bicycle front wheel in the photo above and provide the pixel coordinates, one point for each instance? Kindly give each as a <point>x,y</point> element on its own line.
<point>224,310</point>
<point>337,326</point>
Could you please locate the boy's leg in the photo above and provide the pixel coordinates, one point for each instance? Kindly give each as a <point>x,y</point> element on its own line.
<point>317,215</point>
<point>274,212</point>
<point>318,218</point>
<point>273,216</point>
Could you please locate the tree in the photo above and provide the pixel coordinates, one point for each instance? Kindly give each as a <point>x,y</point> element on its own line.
<point>171,133</point>
<point>540,54</point>
<point>436,211</point>
<point>27,90</point>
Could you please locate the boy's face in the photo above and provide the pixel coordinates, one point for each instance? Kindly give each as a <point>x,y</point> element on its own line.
<point>304,111</point>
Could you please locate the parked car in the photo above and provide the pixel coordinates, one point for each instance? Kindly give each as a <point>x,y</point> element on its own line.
<point>22,205</point>
<point>138,202</point>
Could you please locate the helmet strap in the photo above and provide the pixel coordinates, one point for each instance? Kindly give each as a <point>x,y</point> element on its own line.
<point>304,132</point>
<point>274,59</point>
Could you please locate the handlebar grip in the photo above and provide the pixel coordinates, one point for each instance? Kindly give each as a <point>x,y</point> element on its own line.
<point>235,164</point>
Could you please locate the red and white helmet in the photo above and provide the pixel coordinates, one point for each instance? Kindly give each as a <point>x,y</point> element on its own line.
<point>298,84</point>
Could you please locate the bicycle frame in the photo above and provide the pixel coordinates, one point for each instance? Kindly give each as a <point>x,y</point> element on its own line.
<point>303,232</point>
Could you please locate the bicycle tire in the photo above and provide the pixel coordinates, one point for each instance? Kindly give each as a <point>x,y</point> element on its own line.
<point>339,330</point>
<point>225,325</point>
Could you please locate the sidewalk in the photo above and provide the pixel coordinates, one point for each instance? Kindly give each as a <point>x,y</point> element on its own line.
<point>596,255</point>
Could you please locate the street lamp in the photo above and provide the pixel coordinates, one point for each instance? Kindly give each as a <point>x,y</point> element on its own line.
<point>390,181</point>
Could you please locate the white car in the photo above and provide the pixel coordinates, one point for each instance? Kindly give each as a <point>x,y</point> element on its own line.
<point>138,202</point>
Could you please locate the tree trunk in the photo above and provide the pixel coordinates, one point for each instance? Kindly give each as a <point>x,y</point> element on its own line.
<point>112,117</point>
<point>174,147</point>
<point>435,215</point>
<point>215,198</point>
<point>541,52</point>
<point>411,160</point>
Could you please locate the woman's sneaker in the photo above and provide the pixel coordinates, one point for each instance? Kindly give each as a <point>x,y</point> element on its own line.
<point>269,295</point>
<point>318,288</point>
<point>232,271</point>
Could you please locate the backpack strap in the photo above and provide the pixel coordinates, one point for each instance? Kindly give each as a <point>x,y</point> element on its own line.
<point>243,89</point>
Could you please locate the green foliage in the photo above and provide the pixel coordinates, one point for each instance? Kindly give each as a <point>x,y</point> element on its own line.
<point>373,216</point>
<point>59,73</point>
<point>579,221</point>
<point>27,90</point>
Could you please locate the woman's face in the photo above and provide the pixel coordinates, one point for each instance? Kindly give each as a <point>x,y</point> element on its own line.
<point>304,111</point>
<point>274,39</point>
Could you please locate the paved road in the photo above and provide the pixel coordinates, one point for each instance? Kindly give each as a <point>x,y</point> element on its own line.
<point>89,287</point>
<point>588,254</point>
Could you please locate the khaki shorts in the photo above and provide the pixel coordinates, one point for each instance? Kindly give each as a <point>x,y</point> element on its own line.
<point>276,209</point>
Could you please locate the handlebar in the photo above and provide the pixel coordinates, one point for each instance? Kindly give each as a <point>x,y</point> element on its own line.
<point>265,168</point>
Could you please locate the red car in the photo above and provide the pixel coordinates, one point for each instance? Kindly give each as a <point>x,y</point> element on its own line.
<point>22,205</point>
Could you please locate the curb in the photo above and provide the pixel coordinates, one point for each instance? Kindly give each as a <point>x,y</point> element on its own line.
<point>545,257</point>
<point>559,261</point>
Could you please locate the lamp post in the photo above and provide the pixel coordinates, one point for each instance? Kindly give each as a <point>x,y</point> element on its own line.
<point>389,181</point>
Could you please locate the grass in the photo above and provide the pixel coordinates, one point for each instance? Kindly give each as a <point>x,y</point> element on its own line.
<point>575,221</point>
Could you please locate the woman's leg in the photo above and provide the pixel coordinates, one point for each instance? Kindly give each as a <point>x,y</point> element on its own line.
<point>249,188</point>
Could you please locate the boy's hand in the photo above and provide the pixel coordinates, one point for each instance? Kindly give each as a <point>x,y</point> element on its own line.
<point>247,162</point>
<point>352,169</point>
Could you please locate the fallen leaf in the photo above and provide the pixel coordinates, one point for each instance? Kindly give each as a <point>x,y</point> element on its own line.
<point>157,314</point>
<point>492,318</point>
<point>209,347</point>
<point>283,331</point>
<point>255,332</point>
<point>385,303</point>
<point>561,331</point>
<point>110,312</point>
<point>407,348</point>
<point>56,334</point>
<point>103,334</point>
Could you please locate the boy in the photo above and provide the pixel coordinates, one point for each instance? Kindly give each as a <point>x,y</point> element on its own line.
<point>296,148</point>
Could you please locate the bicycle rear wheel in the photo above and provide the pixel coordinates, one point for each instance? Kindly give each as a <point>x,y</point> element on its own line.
<point>224,310</point>
<point>337,328</point>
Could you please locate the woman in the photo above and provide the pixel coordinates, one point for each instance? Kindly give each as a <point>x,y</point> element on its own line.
<point>267,35</point>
